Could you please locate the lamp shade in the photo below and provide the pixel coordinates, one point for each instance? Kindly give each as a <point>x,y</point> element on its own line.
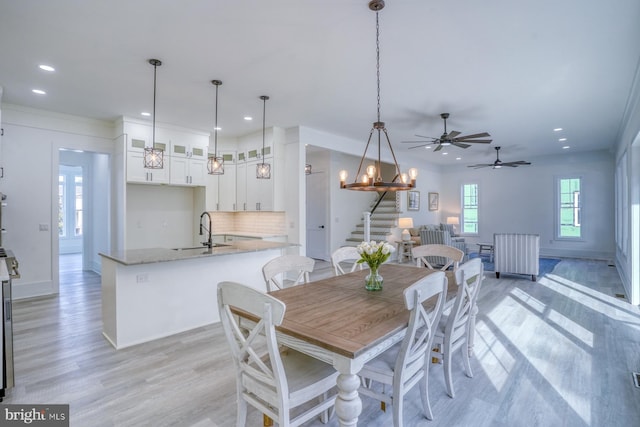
<point>453,220</point>
<point>405,222</point>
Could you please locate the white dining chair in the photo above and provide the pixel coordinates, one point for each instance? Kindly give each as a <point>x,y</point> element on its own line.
<point>447,256</point>
<point>272,382</point>
<point>345,254</point>
<point>407,363</point>
<point>457,327</point>
<point>276,271</point>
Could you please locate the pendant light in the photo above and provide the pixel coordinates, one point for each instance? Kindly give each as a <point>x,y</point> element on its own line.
<point>154,157</point>
<point>215,164</point>
<point>372,180</point>
<point>263,170</point>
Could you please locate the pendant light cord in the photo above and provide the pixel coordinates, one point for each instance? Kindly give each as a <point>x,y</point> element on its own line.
<point>378,61</point>
<point>153,142</point>
<point>215,128</point>
<point>264,115</point>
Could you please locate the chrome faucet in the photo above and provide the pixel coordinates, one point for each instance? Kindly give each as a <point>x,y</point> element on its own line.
<point>209,242</point>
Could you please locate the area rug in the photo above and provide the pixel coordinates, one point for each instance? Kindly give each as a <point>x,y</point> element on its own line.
<point>546,265</point>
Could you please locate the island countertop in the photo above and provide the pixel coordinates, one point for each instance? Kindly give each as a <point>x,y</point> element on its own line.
<point>151,255</point>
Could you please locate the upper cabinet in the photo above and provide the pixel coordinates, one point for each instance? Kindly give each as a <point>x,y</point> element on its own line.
<point>188,164</point>
<point>253,194</point>
<point>221,189</point>
<point>136,172</point>
<point>184,155</point>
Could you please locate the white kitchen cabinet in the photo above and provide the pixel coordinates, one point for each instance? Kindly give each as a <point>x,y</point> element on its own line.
<point>227,184</point>
<point>137,173</point>
<point>253,194</point>
<point>188,165</point>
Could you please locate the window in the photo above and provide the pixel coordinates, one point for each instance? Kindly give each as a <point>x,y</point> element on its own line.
<point>470,208</point>
<point>569,208</point>
<point>70,202</point>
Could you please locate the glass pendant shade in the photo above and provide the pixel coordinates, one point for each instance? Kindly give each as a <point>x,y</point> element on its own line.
<point>153,157</point>
<point>263,170</point>
<point>371,179</point>
<point>215,163</point>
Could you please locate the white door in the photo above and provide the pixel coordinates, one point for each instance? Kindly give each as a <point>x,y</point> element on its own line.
<point>317,216</point>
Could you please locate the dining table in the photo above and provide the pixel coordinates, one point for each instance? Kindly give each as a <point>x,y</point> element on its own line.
<point>338,321</point>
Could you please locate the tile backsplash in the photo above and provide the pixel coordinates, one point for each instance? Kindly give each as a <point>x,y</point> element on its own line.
<point>249,222</point>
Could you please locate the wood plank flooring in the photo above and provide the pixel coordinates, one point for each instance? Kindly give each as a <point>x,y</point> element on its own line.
<point>559,352</point>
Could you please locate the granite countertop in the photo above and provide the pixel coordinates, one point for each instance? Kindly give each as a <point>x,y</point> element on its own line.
<point>151,255</point>
<point>248,234</point>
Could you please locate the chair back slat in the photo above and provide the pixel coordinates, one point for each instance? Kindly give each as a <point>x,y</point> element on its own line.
<point>410,364</point>
<point>346,253</point>
<point>275,271</point>
<point>424,256</point>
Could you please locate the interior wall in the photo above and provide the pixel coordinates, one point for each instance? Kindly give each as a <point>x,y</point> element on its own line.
<point>522,200</point>
<point>31,142</point>
<point>159,216</point>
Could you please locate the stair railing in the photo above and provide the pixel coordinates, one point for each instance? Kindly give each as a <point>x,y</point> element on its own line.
<point>375,206</point>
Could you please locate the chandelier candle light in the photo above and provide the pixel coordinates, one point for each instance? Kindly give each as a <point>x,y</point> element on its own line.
<point>372,179</point>
<point>374,254</point>
<point>215,164</point>
<point>153,157</point>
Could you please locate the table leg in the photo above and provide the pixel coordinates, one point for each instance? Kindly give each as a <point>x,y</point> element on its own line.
<point>348,403</point>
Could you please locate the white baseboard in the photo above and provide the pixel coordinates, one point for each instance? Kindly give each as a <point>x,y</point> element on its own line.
<point>568,253</point>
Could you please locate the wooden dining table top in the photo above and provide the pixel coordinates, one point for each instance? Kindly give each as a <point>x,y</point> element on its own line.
<point>339,315</point>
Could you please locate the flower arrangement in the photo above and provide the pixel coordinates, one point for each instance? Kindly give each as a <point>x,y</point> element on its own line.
<point>374,254</point>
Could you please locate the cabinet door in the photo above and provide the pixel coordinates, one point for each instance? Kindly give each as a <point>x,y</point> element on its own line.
<point>227,189</point>
<point>179,170</point>
<point>197,171</point>
<point>136,172</point>
<point>241,187</point>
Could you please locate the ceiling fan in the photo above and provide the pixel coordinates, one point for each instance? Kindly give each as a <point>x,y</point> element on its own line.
<point>499,163</point>
<point>451,138</point>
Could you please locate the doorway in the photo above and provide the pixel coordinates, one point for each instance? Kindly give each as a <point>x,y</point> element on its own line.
<point>317,204</point>
<point>83,209</point>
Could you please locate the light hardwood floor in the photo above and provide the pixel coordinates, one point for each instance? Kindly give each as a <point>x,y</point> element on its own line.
<point>559,352</point>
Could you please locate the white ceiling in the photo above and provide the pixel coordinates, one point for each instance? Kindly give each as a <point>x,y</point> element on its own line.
<point>514,69</point>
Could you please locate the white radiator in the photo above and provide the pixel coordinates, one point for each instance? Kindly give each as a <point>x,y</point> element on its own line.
<point>516,253</point>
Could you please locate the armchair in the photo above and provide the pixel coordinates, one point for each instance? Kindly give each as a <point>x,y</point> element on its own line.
<point>439,237</point>
<point>516,253</point>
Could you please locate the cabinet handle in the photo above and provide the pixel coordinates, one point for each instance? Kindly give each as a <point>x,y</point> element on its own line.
<point>244,206</point>
<point>234,206</point>
<point>257,206</point>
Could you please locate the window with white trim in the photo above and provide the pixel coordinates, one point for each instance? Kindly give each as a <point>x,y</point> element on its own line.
<point>569,208</point>
<point>469,218</point>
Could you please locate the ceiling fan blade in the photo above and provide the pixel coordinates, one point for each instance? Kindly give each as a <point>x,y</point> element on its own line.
<point>438,148</point>
<point>516,163</point>
<point>477,141</point>
<point>475,135</point>
<point>428,137</point>
<point>415,142</point>
<point>453,134</point>
<point>458,144</point>
<point>480,166</point>
<point>419,146</point>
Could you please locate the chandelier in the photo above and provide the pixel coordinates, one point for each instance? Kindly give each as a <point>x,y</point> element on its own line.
<point>372,180</point>
<point>215,164</point>
<point>153,157</point>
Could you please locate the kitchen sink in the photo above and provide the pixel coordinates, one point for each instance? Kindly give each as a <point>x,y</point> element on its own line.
<point>215,245</point>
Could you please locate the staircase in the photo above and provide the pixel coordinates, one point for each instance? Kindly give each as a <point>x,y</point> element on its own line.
<point>383,220</point>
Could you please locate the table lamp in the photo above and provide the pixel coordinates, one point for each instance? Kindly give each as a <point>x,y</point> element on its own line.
<point>405,223</point>
<point>453,220</point>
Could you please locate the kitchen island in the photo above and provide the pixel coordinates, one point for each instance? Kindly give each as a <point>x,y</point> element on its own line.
<point>153,293</point>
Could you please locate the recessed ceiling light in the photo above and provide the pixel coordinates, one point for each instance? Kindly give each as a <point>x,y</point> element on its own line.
<point>428,147</point>
<point>566,146</point>
<point>458,158</point>
<point>46,68</point>
<point>38,91</point>
<point>247,118</point>
<point>144,113</point>
<point>217,128</point>
<point>444,154</point>
<point>557,129</point>
<point>562,139</point>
